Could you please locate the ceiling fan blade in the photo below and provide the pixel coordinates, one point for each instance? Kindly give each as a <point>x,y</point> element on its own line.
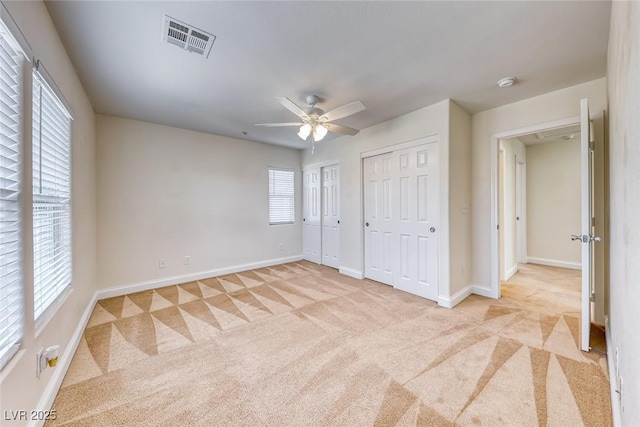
<point>344,111</point>
<point>341,129</point>
<point>289,105</point>
<point>275,125</point>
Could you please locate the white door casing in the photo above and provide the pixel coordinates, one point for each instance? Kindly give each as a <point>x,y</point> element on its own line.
<point>331,216</point>
<point>311,218</point>
<point>378,228</point>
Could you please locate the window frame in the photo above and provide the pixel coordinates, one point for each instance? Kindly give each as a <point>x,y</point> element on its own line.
<point>273,196</point>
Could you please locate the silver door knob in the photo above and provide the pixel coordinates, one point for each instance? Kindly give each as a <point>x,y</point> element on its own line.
<point>432,229</point>
<point>576,237</point>
<point>595,239</point>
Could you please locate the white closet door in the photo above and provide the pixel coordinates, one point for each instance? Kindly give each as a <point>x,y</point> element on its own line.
<point>311,231</point>
<point>415,210</point>
<point>379,227</point>
<point>331,216</point>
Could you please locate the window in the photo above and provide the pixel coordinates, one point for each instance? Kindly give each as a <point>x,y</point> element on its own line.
<point>51,196</point>
<point>281,196</point>
<point>11,262</point>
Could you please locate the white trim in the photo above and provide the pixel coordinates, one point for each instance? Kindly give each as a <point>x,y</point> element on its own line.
<point>321,164</point>
<point>174,280</point>
<point>400,146</point>
<point>495,238</point>
<point>455,299</point>
<point>51,391</point>
<point>351,272</point>
<point>555,263</point>
<point>616,404</point>
<point>483,291</point>
<point>510,272</point>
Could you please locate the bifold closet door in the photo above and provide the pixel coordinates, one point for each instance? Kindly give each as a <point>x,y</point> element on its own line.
<point>378,221</point>
<point>401,219</point>
<point>331,216</point>
<point>311,218</point>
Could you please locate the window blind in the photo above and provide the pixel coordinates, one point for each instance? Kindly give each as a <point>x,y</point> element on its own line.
<point>281,196</point>
<point>51,196</point>
<point>11,262</point>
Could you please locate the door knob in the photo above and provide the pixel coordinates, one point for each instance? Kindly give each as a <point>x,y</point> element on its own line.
<point>304,219</point>
<point>367,224</point>
<point>338,221</point>
<point>576,237</point>
<point>432,229</point>
<point>595,238</point>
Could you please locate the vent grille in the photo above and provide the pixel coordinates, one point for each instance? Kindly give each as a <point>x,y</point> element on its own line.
<point>187,37</point>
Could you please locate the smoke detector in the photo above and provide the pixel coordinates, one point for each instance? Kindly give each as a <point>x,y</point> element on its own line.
<point>187,36</point>
<point>506,82</point>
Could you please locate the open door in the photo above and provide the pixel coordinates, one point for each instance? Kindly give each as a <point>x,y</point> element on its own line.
<point>586,237</point>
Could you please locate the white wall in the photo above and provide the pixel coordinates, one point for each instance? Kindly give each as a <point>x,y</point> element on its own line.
<point>431,120</point>
<point>452,124</point>
<point>553,202</point>
<point>558,105</point>
<point>20,388</point>
<point>164,193</point>
<point>624,166</point>
<point>459,197</point>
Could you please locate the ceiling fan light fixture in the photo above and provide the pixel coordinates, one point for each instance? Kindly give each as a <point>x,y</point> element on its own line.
<point>319,132</point>
<point>305,131</point>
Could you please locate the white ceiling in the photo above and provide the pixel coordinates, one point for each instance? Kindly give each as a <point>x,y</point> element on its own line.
<point>395,57</point>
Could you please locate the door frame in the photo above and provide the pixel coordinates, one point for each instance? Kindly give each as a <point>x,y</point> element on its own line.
<point>521,211</point>
<point>496,288</point>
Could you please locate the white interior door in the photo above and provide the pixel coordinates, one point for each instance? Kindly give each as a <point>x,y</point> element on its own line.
<point>311,219</point>
<point>331,216</point>
<point>379,227</point>
<point>415,210</point>
<point>521,232</point>
<point>587,238</point>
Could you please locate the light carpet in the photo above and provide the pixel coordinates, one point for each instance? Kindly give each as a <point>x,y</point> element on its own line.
<point>299,344</point>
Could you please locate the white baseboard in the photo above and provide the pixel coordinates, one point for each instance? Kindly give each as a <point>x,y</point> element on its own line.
<point>613,380</point>
<point>51,391</point>
<point>455,299</point>
<point>510,272</point>
<point>351,272</point>
<point>175,280</point>
<point>482,291</point>
<point>555,263</point>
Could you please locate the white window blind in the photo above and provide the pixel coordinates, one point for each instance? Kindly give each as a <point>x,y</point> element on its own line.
<point>11,262</point>
<point>51,196</point>
<point>281,196</point>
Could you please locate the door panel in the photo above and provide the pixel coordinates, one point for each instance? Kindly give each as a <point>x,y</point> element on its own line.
<point>587,236</point>
<point>330,216</point>
<point>377,216</point>
<point>311,231</point>
<point>401,219</point>
<point>417,175</point>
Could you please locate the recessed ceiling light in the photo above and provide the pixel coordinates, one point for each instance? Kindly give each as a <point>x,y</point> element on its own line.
<point>506,82</point>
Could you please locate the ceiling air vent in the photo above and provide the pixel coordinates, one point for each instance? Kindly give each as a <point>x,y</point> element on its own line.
<point>186,36</point>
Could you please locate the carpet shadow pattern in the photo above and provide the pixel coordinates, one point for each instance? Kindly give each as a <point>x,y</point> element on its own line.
<point>300,344</point>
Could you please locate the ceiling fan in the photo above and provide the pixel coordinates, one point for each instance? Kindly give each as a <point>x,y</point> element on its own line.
<point>315,121</point>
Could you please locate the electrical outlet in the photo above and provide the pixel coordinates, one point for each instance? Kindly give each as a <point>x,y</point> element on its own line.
<point>187,259</point>
<point>162,264</point>
<point>41,362</point>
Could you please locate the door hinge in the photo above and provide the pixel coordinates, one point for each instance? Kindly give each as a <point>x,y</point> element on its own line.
<point>592,298</point>
<point>593,221</point>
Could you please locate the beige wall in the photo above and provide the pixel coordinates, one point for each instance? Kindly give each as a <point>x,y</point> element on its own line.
<point>459,197</point>
<point>165,193</point>
<point>553,106</point>
<point>20,388</point>
<point>624,166</point>
<point>431,120</point>
<point>553,202</point>
<point>452,124</point>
